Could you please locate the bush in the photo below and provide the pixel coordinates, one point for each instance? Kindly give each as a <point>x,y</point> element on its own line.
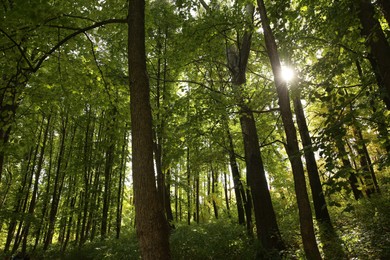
<point>215,240</point>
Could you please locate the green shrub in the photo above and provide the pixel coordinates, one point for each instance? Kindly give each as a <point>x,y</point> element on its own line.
<point>215,240</point>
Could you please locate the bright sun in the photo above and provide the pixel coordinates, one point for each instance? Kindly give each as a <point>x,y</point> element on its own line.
<point>287,74</point>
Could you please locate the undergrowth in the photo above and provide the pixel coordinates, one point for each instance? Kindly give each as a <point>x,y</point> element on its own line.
<point>363,228</point>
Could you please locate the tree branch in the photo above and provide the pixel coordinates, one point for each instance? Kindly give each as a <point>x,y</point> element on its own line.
<point>22,52</point>
<point>70,36</point>
<point>265,111</point>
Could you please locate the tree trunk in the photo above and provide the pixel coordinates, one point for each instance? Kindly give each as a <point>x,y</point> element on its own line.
<point>46,197</point>
<point>196,198</point>
<point>225,189</point>
<point>9,93</point>
<point>238,187</point>
<point>121,184</point>
<point>167,199</point>
<point>109,157</point>
<point>214,182</point>
<point>347,167</point>
<point>368,162</point>
<point>267,227</point>
<point>305,215</point>
<point>379,119</point>
<point>18,208</point>
<point>62,164</point>
<point>35,188</point>
<point>378,46</point>
<point>151,225</point>
<point>188,187</point>
<point>320,207</point>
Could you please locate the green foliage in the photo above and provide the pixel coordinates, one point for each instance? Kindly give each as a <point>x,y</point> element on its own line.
<point>126,247</point>
<point>363,226</point>
<point>215,240</point>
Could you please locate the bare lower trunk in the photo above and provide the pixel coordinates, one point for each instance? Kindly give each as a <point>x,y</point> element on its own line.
<point>151,225</point>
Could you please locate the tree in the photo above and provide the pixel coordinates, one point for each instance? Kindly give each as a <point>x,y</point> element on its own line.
<point>151,224</point>
<point>305,215</point>
<point>267,228</point>
<point>378,47</point>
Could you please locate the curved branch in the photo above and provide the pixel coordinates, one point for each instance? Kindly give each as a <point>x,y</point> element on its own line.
<point>22,52</point>
<point>70,36</point>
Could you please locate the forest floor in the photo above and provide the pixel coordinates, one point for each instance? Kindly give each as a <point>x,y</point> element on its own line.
<point>363,228</point>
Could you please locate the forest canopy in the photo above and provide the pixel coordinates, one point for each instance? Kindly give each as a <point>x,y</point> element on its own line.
<point>194,129</point>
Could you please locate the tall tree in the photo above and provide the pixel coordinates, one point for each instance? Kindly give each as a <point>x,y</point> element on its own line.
<point>305,215</point>
<point>378,47</point>
<point>151,224</point>
<point>320,207</point>
<point>266,223</point>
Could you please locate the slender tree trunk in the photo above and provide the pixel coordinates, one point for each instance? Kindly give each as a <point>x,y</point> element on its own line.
<point>31,169</point>
<point>214,181</point>
<point>367,161</point>
<point>320,207</point>
<point>46,193</point>
<point>18,208</point>
<point>238,187</point>
<point>35,188</point>
<point>62,163</point>
<point>167,199</point>
<point>68,225</point>
<point>9,92</point>
<point>267,227</point>
<point>151,224</point>
<point>177,193</point>
<point>120,194</point>
<point>347,167</point>
<point>331,243</point>
<point>109,156</point>
<point>366,169</point>
<point>188,187</point>
<point>196,197</point>
<point>305,215</point>
<point>378,46</point>
<point>225,189</point>
<point>88,175</point>
<point>379,119</point>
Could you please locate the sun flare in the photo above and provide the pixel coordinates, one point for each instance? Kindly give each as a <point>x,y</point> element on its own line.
<point>287,74</point>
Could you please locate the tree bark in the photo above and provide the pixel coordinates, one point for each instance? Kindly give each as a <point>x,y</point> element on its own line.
<point>320,207</point>
<point>109,161</point>
<point>378,46</point>
<point>188,187</point>
<point>121,185</point>
<point>305,215</point>
<point>238,187</point>
<point>57,185</point>
<point>151,224</point>
<point>347,167</point>
<point>214,182</point>
<point>35,188</point>
<point>267,227</point>
<point>379,119</point>
<point>225,189</point>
